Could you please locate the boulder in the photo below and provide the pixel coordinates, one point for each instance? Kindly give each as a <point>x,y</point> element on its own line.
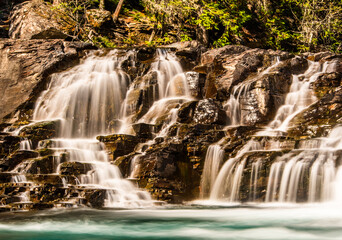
<point>34,20</point>
<point>208,112</point>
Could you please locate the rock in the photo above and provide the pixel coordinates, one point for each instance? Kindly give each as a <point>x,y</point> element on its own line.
<point>189,53</point>
<point>146,54</point>
<point>45,194</point>
<point>40,131</point>
<point>186,112</point>
<point>119,144</point>
<point>208,112</point>
<point>183,45</point>
<point>318,119</point>
<point>98,17</point>
<point>326,83</point>
<point>143,130</point>
<point>8,145</point>
<point>16,158</point>
<point>74,168</point>
<point>230,65</point>
<point>196,83</point>
<point>264,97</point>
<point>142,97</point>
<point>6,177</point>
<point>25,67</point>
<point>317,56</point>
<point>246,192</point>
<point>34,20</point>
<point>168,174</point>
<point>96,198</point>
<point>43,165</point>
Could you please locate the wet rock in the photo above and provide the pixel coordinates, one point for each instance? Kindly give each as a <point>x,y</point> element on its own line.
<point>317,56</point>
<point>34,20</point>
<point>24,69</point>
<point>40,131</point>
<point>318,119</point>
<point>74,168</point>
<point>119,144</point>
<point>142,97</point>
<point>16,158</point>
<point>96,198</point>
<point>264,97</point>
<point>196,83</point>
<point>326,83</point>
<point>230,65</point>
<point>143,130</point>
<point>297,65</point>
<point>46,178</point>
<point>8,145</point>
<point>256,190</point>
<point>186,112</point>
<point>6,177</point>
<point>43,195</point>
<point>43,165</point>
<point>167,174</point>
<point>189,53</point>
<point>146,54</point>
<point>208,112</point>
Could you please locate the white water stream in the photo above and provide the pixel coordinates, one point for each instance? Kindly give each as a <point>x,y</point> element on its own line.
<point>91,99</point>
<point>288,171</point>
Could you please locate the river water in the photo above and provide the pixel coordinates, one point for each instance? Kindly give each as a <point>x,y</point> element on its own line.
<point>178,222</point>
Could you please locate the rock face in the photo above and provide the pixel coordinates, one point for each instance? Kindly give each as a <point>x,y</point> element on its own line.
<point>34,20</point>
<point>26,65</point>
<point>168,163</point>
<point>231,65</point>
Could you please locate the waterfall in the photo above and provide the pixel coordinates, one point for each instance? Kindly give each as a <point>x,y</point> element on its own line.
<point>289,172</point>
<point>173,91</point>
<point>91,99</point>
<point>86,100</point>
<point>240,92</point>
<point>213,160</point>
<point>25,145</point>
<point>299,97</point>
<point>313,167</point>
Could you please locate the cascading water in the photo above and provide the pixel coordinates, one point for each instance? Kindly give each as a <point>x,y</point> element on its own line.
<point>85,101</point>
<point>314,169</point>
<point>173,90</point>
<point>91,99</point>
<point>299,97</point>
<point>288,171</point>
<point>88,98</point>
<point>240,92</point>
<point>25,145</point>
<point>212,164</point>
<point>214,156</point>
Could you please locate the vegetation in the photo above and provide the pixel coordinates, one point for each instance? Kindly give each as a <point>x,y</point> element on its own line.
<point>292,25</point>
